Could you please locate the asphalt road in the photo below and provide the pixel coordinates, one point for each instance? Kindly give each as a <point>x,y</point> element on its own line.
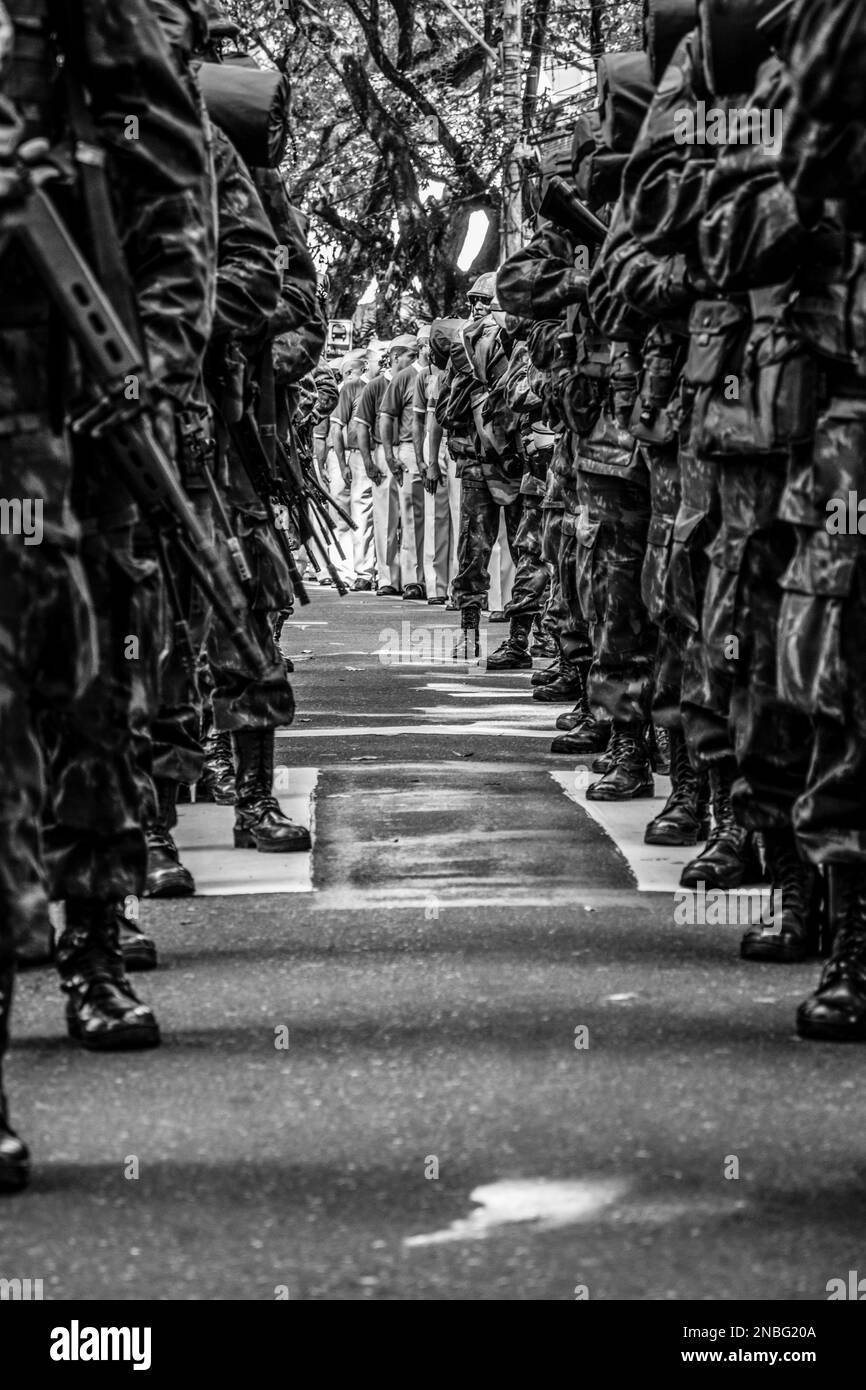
<point>476,1000</point>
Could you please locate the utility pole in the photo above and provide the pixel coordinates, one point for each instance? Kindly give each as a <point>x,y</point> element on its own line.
<point>512,97</point>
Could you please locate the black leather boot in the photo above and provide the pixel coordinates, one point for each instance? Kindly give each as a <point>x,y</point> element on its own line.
<point>102,1011</point>
<point>659,744</point>
<point>541,643</point>
<point>836,1012</point>
<point>513,654</point>
<point>547,674</point>
<point>259,822</point>
<point>468,644</point>
<point>684,818</point>
<point>137,948</point>
<point>217,781</point>
<point>794,932</point>
<point>731,856</point>
<point>567,686</point>
<point>629,775</point>
<point>14,1158</point>
<point>166,876</point>
<point>605,761</point>
<point>586,735</point>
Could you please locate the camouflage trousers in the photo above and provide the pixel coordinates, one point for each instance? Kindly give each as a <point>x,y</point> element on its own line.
<point>821,647</point>
<point>573,633</point>
<point>705,698</point>
<point>69,808</point>
<point>665,497</point>
<point>479,527</point>
<point>532,580</point>
<point>611,544</point>
<point>240,699</point>
<point>554,617</point>
<point>771,739</point>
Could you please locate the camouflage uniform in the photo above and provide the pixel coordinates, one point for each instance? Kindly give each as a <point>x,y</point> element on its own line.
<point>77,691</point>
<point>540,283</point>
<point>663,199</point>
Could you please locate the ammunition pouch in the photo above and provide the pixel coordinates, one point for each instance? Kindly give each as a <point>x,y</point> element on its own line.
<point>754,382</point>
<point>654,419</point>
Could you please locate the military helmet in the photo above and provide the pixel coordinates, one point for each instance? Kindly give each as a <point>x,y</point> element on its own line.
<point>484,287</point>
<point>220,26</point>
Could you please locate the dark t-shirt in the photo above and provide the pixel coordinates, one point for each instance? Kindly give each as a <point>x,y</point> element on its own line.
<point>367,405</point>
<point>342,412</point>
<point>398,402</point>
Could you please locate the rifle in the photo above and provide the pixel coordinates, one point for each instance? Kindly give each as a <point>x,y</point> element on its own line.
<point>561,205</point>
<point>279,479</point>
<point>112,359</point>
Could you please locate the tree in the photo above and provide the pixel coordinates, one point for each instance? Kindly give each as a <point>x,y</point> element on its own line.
<point>397,129</point>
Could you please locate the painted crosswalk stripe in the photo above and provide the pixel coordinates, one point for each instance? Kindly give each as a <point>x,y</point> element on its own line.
<point>204,838</point>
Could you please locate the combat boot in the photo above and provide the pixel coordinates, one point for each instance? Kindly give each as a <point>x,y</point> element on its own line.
<point>259,822</point>
<point>567,686</point>
<point>166,876</point>
<point>836,1012</point>
<point>468,645</point>
<point>605,761</point>
<point>547,674</point>
<point>541,642</point>
<point>659,743</point>
<point>586,735</point>
<point>513,654</point>
<point>684,818</point>
<point>217,780</point>
<point>794,932</point>
<point>629,775</point>
<point>102,1010</point>
<point>14,1158</point>
<point>730,857</point>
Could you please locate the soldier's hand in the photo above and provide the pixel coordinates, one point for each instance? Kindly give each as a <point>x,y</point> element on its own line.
<point>346,475</point>
<point>433,478</point>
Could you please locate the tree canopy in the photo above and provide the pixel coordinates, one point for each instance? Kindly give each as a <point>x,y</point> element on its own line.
<point>398,127</point>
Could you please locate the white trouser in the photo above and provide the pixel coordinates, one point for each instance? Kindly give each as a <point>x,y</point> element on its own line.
<point>440,528</point>
<point>363,549</point>
<point>386,520</point>
<point>342,494</point>
<point>501,570</point>
<point>411,518</point>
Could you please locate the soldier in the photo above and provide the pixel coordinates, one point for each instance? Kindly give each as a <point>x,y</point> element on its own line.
<point>94,846</point>
<point>772,738</point>
<point>546,281</point>
<point>663,197</point>
<point>490,481</point>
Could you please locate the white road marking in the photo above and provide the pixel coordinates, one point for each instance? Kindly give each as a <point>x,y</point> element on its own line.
<point>656,868</point>
<point>449,730</point>
<point>547,1204</point>
<point>204,838</point>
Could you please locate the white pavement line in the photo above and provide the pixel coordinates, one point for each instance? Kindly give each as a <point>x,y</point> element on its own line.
<point>656,868</point>
<point>204,838</point>
<point>536,1204</point>
<point>446,730</point>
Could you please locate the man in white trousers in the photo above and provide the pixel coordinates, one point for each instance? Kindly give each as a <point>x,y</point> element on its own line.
<point>396,417</point>
<point>344,443</point>
<point>386,495</point>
